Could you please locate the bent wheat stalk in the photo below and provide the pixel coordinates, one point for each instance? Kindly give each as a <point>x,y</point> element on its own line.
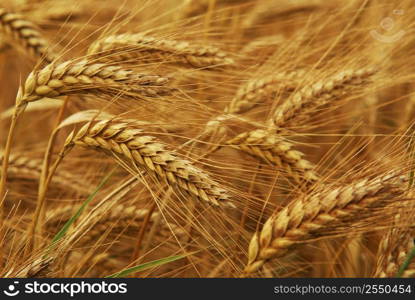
<point>26,34</point>
<point>314,214</point>
<point>147,153</point>
<point>127,47</point>
<point>269,147</point>
<point>303,102</point>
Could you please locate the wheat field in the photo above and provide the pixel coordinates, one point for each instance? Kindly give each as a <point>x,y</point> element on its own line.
<point>207,138</point>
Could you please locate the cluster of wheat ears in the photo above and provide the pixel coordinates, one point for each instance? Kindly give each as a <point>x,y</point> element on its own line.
<point>207,138</point>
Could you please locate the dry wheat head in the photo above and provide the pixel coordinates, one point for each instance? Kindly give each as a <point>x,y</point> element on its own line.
<point>269,147</point>
<point>320,211</point>
<point>147,153</point>
<point>80,76</point>
<point>26,34</point>
<point>323,92</point>
<point>130,47</point>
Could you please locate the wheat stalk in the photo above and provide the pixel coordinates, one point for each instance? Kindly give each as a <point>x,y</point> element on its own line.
<point>269,147</point>
<point>325,91</point>
<point>310,215</point>
<point>147,153</point>
<point>26,34</point>
<point>129,47</point>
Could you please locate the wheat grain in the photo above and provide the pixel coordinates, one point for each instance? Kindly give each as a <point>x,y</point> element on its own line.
<point>130,47</point>
<point>116,136</point>
<point>26,34</point>
<point>272,149</point>
<point>306,216</point>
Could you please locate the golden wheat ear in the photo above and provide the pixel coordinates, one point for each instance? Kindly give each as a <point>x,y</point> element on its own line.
<point>313,214</point>
<point>21,166</point>
<point>80,76</point>
<point>257,90</point>
<point>310,97</point>
<point>26,34</point>
<point>115,217</point>
<point>269,147</point>
<point>132,47</point>
<point>38,268</point>
<point>394,248</point>
<point>152,156</point>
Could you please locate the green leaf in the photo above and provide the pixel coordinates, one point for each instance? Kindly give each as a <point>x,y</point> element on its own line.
<point>148,265</point>
<point>68,224</point>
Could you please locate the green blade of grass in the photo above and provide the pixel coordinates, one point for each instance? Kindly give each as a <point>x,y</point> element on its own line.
<point>408,260</point>
<point>148,265</point>
<point>68,224</point>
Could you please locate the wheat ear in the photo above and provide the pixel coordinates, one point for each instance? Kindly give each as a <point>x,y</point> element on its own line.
<point>21,166</point>
<point>314,214</point>
<point>310,97</point>
<point>116,217</point>
<point>269,42</point>
<point>80,76</point>
<point>393,250</point>
<point>271,11</point>
<point>57,10</point>
<point>26,34</point>
<point>269,147</point>
<point>38,268</point>
<point>147,153</point>
<point>258,90</point>
<point>127,47</point>
<point>250,95</point>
